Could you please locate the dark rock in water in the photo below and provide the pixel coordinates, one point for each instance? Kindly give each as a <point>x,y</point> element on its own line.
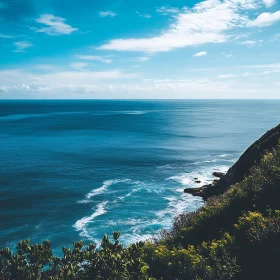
<point>195,178</point>
<point>242,167</point>
<point>218,174</point>
<point>195,191</point>
<point>197,181</point>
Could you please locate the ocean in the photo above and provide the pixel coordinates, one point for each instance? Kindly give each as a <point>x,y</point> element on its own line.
<point>79,169</point>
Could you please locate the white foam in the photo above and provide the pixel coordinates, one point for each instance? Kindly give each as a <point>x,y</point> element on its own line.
<point>84,201</point>
<point>203,175</point>
<point>177,205</point>
<point>128,239</point>
<point>81,224</point>
<point>224,155</point>
<point>209,161</point>
<point>135,112</point>
<point>195,163</point>
<point>108,113</point>
<point>188,179</point>
<point>27,116</point>
<point>103,188</point>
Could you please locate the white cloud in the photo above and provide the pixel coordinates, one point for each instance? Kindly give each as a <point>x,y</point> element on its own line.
<point>6,36</point>
<point>200,54</point>
<point>143,15</point>
<point>94,57</point>
<point>55,25</point>
<point>116,84</point>
<point>207,22</point>
<point>251,43</point>
<point>78,65</point>
<point>45,66</point>
<point>275,65</point>
<point>265,19</point>
<point>59,79</point>
<point>25,87</point>
<point>22,45</point>
<point>269,3</point>
<point>167,10</point>
<point>225,76</point>
<point>141,58</point>
<point>107,14</point>
<point>3,89</point>
<point>247,74</point>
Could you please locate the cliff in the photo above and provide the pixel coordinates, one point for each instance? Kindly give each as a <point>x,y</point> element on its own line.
<point>242,167</point>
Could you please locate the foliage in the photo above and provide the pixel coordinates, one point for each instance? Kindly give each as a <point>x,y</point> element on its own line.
<point>234,236</point>
<point>112,261</point>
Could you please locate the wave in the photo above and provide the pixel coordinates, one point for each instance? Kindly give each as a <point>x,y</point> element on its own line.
<point>81,224</point>
<point>15,117</point>
<point>224,155</point>
<point>209,161</point>
<point>177,205</point>
<point>134,112</point>
<point>128,239</point>
<point>203,175</point>
<point>102,189</point>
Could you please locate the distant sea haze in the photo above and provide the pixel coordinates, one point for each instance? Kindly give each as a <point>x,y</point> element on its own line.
<point>73,170</point>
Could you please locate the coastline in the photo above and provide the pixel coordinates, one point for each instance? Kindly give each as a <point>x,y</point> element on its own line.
<point>242,168</point>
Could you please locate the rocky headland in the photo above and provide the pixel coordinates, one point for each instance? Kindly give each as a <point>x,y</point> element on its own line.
<point>241,168</point>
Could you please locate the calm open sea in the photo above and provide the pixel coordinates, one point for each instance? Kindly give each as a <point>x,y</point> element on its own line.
<point>72,170</point>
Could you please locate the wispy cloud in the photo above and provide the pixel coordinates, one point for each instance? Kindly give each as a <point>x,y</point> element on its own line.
<point>167,10</point>
<point>228,55</point>
<point>141,58</point>
<point>143,15</point>
<point>107,14</point>
<point>269,3</point>
<point>275,65</point>
<point>226,76</point>
<point>265,19</point>
<point>44,67</point>
<point>6,36</point>
<point>22,45</point>
<point>251,43</point>
<point>207,22</point>
<point>78,65</point>
<point>247,74</point>
<point>55,25</point>
<point>94,57</point>
<point>57,83</point>
<point>59,79</point>
<point>200,54</point>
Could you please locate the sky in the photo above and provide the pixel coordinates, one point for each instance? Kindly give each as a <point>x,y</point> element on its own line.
<point>148,49</point>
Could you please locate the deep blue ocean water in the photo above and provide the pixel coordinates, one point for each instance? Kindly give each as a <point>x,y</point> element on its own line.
<point>72,170</point>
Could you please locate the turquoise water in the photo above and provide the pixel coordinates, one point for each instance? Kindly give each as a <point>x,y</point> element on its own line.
<point>74,170</point>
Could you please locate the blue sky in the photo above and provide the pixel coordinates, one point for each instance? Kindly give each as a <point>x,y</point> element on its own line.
<point>139,49</point>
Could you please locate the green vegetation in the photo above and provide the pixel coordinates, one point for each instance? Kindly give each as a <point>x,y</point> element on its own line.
<point>234,236</point>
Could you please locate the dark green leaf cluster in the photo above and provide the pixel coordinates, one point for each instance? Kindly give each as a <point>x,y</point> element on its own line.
<point>112,261</point>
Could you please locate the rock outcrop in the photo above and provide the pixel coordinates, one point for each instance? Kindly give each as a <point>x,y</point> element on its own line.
<point>218,174</point>
<point>242,167</point>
